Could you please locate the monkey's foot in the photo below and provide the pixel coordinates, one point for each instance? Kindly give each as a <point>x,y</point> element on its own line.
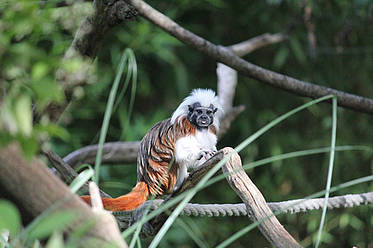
<point>205,155</point>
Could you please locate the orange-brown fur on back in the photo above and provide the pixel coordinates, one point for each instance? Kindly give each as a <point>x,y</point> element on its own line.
<point>155,157</point>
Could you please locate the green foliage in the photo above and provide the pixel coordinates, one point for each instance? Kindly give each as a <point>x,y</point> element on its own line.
<point>9,218</point>
<point>81,179</point>
<point>54,222</point>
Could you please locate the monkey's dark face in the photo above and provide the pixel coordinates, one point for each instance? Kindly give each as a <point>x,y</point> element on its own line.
<point>201,117</point>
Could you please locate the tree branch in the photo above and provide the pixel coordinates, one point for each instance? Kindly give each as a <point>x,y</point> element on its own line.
<point>256,205</point>
<point>35,189</point>
<point>112,152</point>
<point>250,45</point>
<point>67,173</point>
<point>224,55</point>
<point>227,77</point>
<point>85,46</point>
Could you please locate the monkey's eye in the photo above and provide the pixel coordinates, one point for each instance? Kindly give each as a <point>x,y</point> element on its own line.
<point>199,111</point>
<point>208,112</point>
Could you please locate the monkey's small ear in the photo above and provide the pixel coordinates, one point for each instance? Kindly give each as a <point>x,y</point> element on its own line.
<point>215,109</point>
<point>190,108</point>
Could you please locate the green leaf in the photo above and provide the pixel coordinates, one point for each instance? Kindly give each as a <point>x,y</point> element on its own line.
<point>5,138</point>
<point>53,130</point>
<point>56,241</point>
<point>73,65</point>
<point>56,221</point>
<point>81,179</point>
<point>9,218</point>
<point>23,114</point>
<point>39,70</point>
<point>29,145</point>
<point>46,90</point>
<point>80,231</point>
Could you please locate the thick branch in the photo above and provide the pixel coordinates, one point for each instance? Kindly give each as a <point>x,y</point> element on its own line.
<point>224,55</point>
<point>256,205</point>
<point>35,189</point>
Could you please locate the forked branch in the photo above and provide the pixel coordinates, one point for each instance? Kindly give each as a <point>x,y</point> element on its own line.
<point>226,56</point>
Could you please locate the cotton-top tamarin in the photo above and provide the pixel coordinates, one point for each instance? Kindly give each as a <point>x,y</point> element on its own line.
<point>170,148</point>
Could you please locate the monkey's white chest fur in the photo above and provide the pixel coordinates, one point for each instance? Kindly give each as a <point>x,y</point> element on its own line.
<point>191,151</point>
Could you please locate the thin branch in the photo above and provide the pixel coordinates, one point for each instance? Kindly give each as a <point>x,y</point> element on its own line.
<point>35,189</point>
<point>226,56</point>
<point>66,172</point>
<point>229,118</point>
<point>248,46</point>
<point>256,205</point>
<point>112,152</point>
<point>227,77</point>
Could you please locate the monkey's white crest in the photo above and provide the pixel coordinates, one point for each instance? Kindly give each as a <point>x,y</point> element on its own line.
<point>205,97</point>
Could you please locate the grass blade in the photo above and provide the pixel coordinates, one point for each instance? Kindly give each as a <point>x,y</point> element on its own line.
<point>330,170</point>
<point>81,179</point>
<point>132,67</point>
<point>108,111</point>
<point>191,233</point>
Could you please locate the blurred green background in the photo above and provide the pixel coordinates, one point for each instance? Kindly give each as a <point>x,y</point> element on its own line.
<point>34,37</point>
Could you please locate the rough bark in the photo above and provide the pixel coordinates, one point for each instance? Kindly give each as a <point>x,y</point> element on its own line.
<point>256,205</point>
<point>35,189</point>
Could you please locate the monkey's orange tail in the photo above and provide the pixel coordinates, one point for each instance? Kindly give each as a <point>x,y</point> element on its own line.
<point>128,202</point>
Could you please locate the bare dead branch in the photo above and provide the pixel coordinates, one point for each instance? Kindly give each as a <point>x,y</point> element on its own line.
<point>227,81</point>
<point>35,189</point>
<point>229,118</point>
<point>226,56</point>
<point>112,152</point>
<point>257,42</point>
<point>227,77</point>
<point>256,205</point>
